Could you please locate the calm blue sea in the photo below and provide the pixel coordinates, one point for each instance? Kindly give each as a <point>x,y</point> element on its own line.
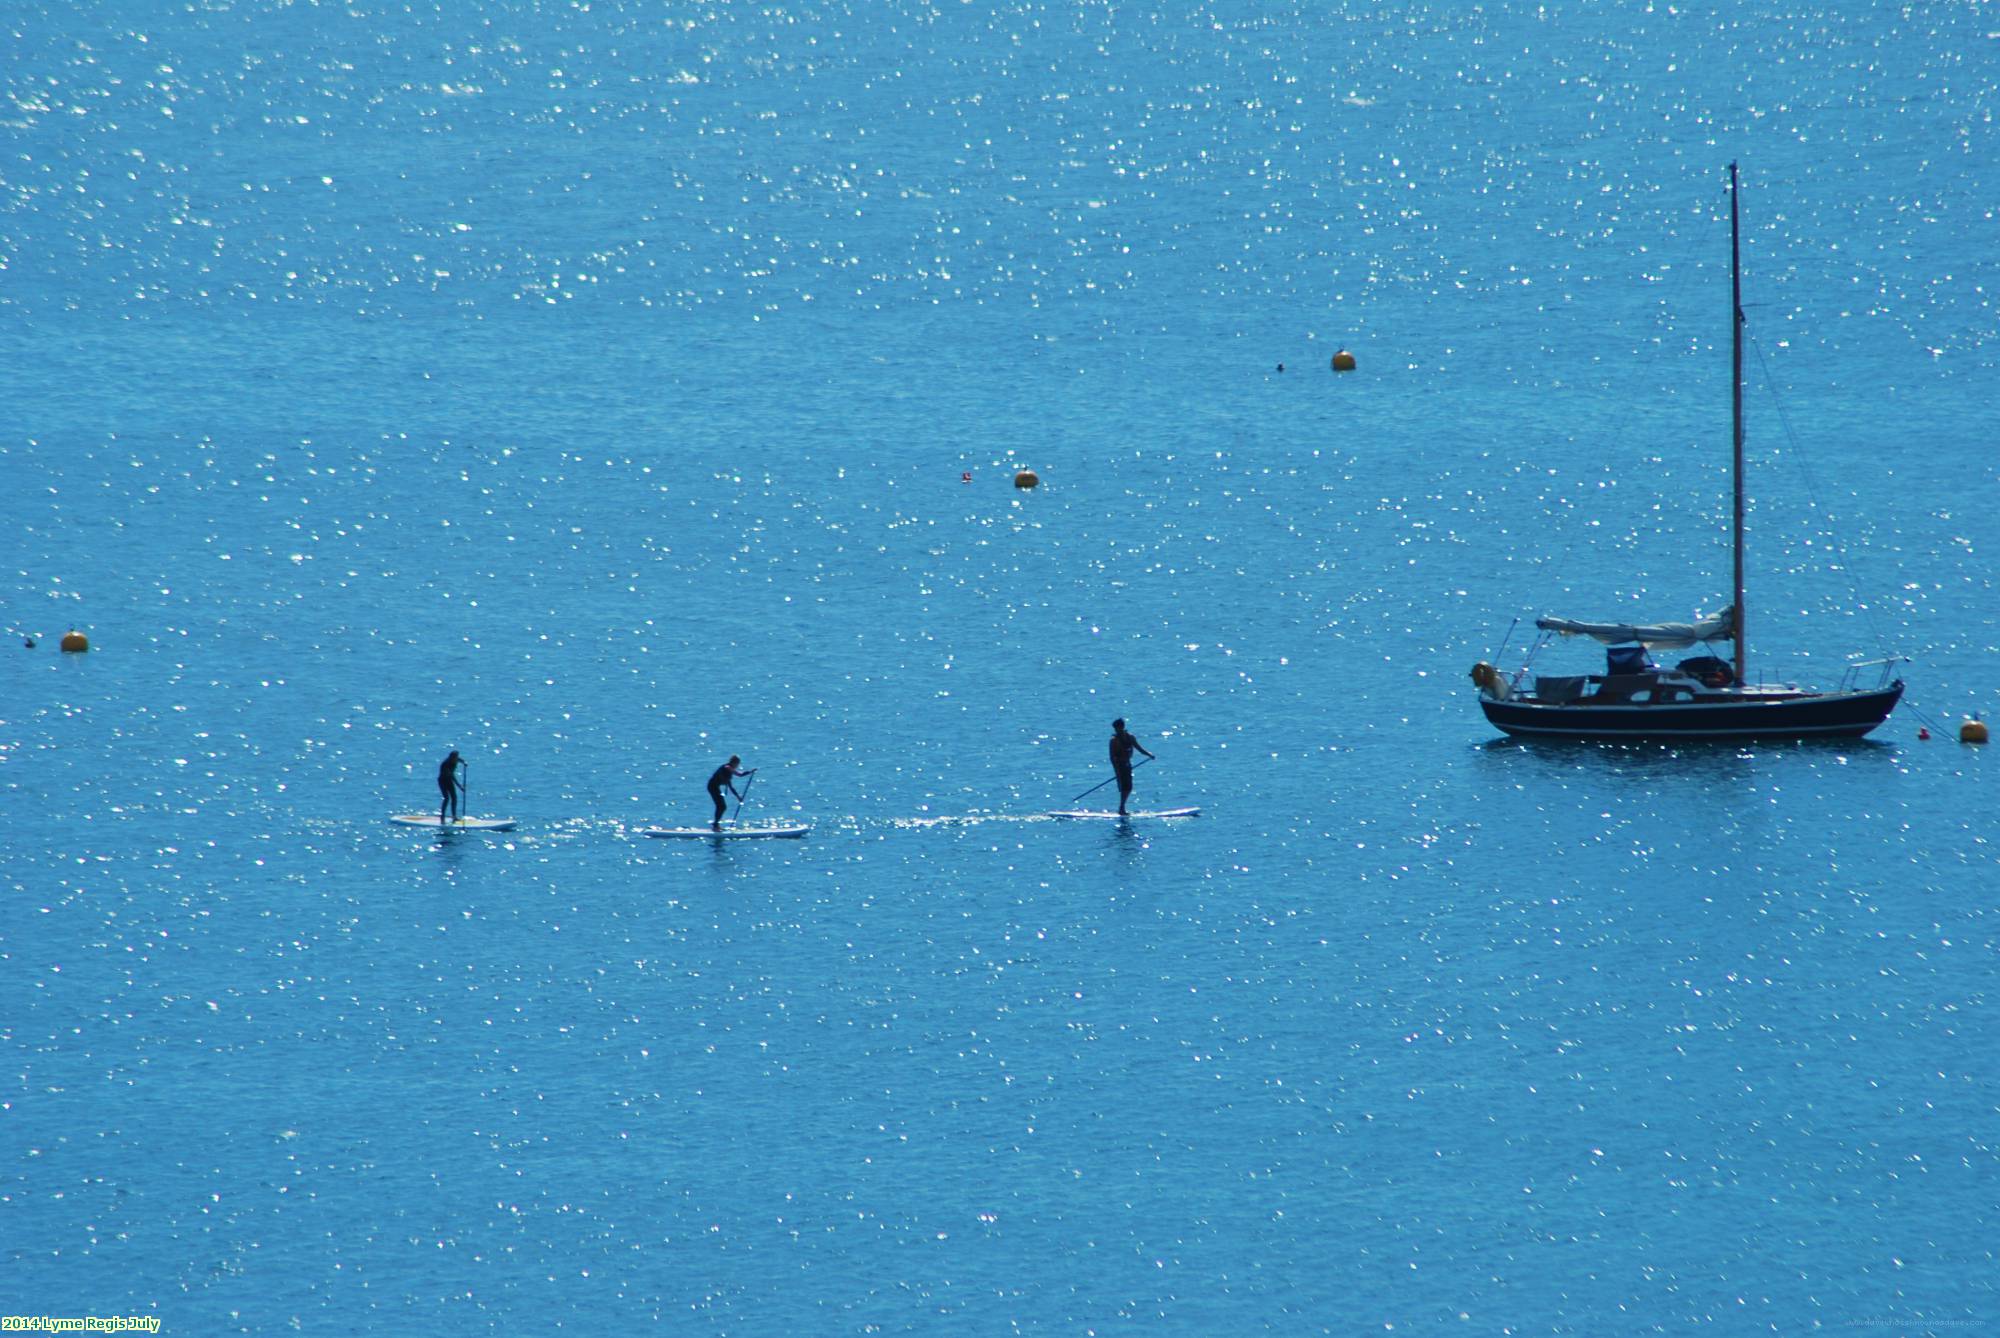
<point>604,388</point>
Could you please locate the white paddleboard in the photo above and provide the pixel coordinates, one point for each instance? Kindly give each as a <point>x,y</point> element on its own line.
<point>726,834</point>
<point>436,823</point>
<point>1115,816</point>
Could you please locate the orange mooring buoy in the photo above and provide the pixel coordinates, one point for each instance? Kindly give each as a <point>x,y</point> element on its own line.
<point>1343,361</point>
<point>74,640</point>
<point>1027,479</point>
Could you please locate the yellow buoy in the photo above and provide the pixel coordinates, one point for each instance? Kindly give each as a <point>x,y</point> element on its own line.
<point>75,640</point>
<point>1972,731</point>
<point>1343,361</point>
<point>1026,479</point>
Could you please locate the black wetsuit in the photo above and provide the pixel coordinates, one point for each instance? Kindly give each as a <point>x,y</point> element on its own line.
<point>448,785</point>
<point>717,783</point>
<point>1122,746</point>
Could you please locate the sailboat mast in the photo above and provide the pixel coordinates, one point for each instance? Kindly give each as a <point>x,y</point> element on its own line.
<point>1736,414</point>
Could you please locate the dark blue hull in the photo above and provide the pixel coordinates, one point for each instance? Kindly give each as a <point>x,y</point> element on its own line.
<point>1828,715</point>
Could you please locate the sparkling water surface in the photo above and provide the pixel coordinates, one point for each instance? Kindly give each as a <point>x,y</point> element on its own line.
<point>601,389</point>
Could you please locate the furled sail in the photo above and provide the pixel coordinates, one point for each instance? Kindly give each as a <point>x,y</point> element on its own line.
<point>1667,636</point>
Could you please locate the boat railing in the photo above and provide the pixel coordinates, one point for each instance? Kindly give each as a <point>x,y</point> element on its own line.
<point>1850,681</point>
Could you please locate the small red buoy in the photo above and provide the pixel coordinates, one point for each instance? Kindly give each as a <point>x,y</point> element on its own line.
<point>1923,733</point>
<point>966,477</point>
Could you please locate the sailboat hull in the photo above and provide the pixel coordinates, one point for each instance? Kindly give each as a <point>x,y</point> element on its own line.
<point>1808,715</point>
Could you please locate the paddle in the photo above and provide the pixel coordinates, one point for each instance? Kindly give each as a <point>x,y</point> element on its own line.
<point>1101,784</point>
<point>462,770</point>
<point>741,797</point>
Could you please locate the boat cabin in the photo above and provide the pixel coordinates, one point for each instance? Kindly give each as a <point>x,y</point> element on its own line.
<point>1631,678</point>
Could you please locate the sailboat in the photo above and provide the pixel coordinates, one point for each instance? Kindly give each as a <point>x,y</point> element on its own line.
<point>1704,696</point>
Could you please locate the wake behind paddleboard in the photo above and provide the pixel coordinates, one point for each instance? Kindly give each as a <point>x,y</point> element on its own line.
<point>726,834</point>
<point>1114,816</point>
<point>436,823</point>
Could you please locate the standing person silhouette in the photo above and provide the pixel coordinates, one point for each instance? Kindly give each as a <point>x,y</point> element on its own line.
<point>1122,747</point>
<point>450,786</point>
<point>723,778</point>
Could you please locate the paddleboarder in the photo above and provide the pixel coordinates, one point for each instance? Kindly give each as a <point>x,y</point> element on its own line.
<point>724,778</point>
<point>1122,747</point>
<point>450,784</point>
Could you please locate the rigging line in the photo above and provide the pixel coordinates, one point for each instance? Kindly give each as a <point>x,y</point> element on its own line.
<point>1798,459</point>
<point>1907,705</point>
<point>1569,545</point>
<point>1797,453</point>
<point>1535,648</point>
